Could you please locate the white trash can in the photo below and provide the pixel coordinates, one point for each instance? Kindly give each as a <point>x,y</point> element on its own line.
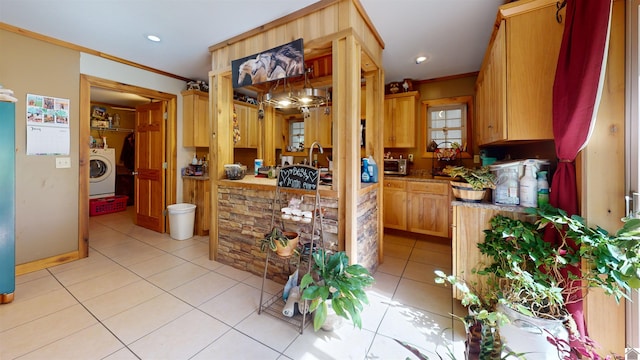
<point>181,218</point>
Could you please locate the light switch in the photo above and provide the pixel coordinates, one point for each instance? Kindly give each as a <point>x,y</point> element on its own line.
<point>63,162</point>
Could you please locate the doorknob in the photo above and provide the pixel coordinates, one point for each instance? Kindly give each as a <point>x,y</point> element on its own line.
<point>134,173</point>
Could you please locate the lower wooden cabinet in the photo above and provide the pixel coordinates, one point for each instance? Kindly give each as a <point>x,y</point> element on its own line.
<point>198,192</point>
<point>417,206</point>
<point>395,204</point>
<point>428,208</point>
<point>469,223</point>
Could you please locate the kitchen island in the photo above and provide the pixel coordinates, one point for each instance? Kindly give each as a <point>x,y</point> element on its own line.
<point>245,209</point>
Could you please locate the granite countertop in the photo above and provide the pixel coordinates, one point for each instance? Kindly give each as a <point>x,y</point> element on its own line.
<point>423,178</point>
<point>488,205</point>
<point>193,177</point>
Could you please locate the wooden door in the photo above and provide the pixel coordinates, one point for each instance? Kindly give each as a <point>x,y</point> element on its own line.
<point>150,160</point>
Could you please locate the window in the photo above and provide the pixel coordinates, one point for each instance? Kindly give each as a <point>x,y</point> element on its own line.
<point>445,122</point>
<point>296,135</point>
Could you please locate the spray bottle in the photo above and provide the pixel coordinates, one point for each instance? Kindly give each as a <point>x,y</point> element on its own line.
<point>529,187</point>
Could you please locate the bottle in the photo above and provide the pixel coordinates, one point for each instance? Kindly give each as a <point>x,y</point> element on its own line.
<point>365,170</point>
<point>194,161</point>
<point>543,188</point>
<point>528,188</point>
<point>506,192</point>
<point>373,170</point>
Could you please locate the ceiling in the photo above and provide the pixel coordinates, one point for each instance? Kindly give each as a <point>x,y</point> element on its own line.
<point>452,34</point>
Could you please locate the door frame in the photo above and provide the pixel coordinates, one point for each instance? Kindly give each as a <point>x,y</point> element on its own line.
<point>86,83</point>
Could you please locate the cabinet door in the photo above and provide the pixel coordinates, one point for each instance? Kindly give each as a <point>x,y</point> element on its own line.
<point>318,127</point>
<point>400,120</point>
<point>195,118</point>
<point>280,137</point>
<point>201,121</point>
<point>247,116</point>
<point>533,44</point>
<point>492,93</point>
<point>197,192</point>
<point>389,127</point>
<point>428,214</point>
<point>395,204</point>
<point>405,122</point>
<point>252,127</point>
<point>428,208</point>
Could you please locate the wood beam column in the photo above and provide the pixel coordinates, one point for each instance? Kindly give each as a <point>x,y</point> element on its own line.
<point>220,144</point>
<point>346,120</point>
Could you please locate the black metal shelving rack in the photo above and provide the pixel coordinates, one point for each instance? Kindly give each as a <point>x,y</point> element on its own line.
<point>294,180</point>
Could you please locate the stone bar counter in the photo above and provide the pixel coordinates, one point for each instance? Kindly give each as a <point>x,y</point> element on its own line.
<point>245,209</point>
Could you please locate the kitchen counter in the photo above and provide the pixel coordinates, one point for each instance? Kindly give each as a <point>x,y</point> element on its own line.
<point>490,206</point>
<point>193,177</point>
<point>423,178</point>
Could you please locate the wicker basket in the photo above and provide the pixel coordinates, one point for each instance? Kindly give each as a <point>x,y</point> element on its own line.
<point>464,192</point>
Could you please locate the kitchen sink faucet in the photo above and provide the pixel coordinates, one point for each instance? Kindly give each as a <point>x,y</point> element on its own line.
<point>315,143</point>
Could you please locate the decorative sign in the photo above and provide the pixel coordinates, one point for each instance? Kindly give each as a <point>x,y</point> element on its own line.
<point>277,63</point>
<point>299,177</point>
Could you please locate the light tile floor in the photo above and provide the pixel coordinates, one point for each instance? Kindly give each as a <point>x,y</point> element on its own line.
<point>143,295</point>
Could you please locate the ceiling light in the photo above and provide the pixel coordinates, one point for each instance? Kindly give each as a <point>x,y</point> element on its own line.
<point>421,59</point>
<point>287,97</point>
<point>153,38</point>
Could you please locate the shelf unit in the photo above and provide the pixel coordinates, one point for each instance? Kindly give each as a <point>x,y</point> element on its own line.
<point>294,180</point>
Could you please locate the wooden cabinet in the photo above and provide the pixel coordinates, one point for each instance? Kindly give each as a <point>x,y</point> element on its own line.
<point>318,127</point>
<point>428,208</point>
<point>197,192</point>
<point>195,118</point>
<point>515,85</point>
<point>247,116</point>
<point>395,204</point>
<point>417,206</point>
<point>468,225</point>
<point>400,120</point>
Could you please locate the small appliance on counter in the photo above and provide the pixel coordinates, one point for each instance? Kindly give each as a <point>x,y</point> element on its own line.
<point>396,167</point>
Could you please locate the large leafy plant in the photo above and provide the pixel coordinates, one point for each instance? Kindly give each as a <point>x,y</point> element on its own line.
<point>332,278</point>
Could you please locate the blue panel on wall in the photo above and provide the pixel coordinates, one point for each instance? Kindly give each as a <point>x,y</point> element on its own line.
<point>7,198</point>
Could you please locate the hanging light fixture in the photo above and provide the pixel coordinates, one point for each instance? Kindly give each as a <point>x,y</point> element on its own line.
<point>289,98</point>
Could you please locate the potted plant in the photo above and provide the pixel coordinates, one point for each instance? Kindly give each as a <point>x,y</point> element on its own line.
<point>333,285</point>
<point>528,274</point>
<point>283,243</point>
<point>475,185</point>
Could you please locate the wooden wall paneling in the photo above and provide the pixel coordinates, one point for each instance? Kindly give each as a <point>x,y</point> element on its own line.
<point>603,196</point>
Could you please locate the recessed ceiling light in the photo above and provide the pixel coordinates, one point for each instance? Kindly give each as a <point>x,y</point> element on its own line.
<point>421,59</point>
<point>153,38</point>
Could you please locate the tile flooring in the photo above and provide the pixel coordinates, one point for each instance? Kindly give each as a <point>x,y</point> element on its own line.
<point>143,295</point>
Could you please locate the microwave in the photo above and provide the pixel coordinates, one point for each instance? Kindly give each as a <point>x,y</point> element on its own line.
<point>395,167</point>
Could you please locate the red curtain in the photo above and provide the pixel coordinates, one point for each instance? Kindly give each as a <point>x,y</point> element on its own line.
<point>576,93</point>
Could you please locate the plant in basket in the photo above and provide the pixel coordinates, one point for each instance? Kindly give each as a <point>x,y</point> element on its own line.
<point>470,184</point>
<point>281,242</point>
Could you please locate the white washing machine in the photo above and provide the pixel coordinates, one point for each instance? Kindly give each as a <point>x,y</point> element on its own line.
<point>102,165</point>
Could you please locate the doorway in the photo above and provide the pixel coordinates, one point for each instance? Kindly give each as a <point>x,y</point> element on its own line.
<point>167,142</point>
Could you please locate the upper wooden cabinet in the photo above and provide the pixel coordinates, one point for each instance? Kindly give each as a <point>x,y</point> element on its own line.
<point>195,118</point>
<point>318,127</point>
<point>279,134</point>
<point>247,116</point>
<point>515,85</point>
<point>400,120</point>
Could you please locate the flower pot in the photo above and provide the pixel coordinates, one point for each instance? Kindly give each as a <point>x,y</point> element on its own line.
<point>524,334</point>
<point>464,192</point>
<point>286,251</point>
<point>333,320</point>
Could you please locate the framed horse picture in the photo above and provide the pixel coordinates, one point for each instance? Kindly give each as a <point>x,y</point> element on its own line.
<point>278,63</point>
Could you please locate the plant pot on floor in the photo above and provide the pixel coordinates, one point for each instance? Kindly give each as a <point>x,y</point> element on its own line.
<point>286,251</point>
<point>333,321</point>
<point>528,335</point>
